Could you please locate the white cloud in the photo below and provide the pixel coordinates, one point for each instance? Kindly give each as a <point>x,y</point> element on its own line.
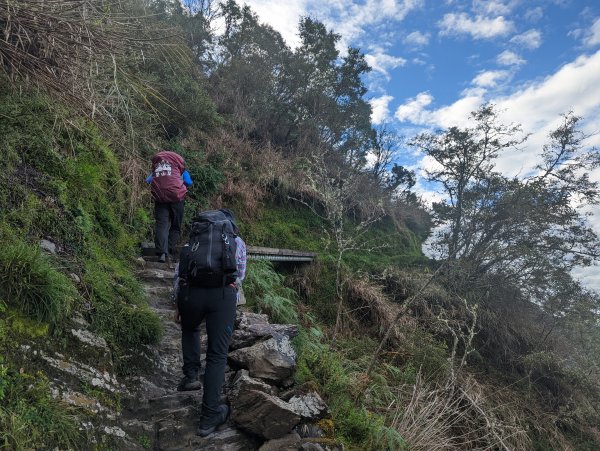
<point>282,16</point>
<point>345,17</point>
<point>531,39</point>
<point>493,7</point>
<point>593,36</point>
<point>417,39</point>
<point>490,78</point>
<point>534,14</point>
<point>537,106</point>
<point>383,63</point>
<point>381,108</point>
<point>413,109</point>
<point>351,19</point>
<point>508,58</point>
<point>478,27</point>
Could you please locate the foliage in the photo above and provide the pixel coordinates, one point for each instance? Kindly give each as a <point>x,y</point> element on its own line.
<point>65,186</point>
<point>266,293</point>
<point>531,229</point>
<point>29,416</point>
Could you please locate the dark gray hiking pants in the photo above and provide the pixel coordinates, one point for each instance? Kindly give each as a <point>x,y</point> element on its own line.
<point>217,306</point>
<point>169,217</point>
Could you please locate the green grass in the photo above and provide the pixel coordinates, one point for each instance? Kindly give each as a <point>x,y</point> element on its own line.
<point>339,375</point>
<point>31,284</point>
<point>29,417</point>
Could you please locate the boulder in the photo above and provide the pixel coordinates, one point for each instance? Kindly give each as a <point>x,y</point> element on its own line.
<point>250,334</point>
<point>263,414</point>
<point>245,319</point>
<point>243,382</point>
<point>273,360</point>
<point>48,246</point>
<point>309,406</point>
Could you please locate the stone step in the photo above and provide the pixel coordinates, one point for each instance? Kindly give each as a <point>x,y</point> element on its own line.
<point>157,277</point>
<point>173,435</point>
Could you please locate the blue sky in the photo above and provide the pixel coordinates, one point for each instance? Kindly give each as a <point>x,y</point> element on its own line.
<point>435,61</point>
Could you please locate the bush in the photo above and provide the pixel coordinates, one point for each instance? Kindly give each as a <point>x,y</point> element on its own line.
<point>30,283</point>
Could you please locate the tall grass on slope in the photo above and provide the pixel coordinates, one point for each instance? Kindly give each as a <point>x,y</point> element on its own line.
<point>267,294</point>
<point>30,283</point>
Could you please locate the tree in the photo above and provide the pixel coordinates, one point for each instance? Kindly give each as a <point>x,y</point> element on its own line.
<point>339,195</point>
<point>531,230</point>
<point>389,175</point>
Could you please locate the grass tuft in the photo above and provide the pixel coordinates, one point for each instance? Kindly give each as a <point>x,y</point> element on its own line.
<point>30,283</point>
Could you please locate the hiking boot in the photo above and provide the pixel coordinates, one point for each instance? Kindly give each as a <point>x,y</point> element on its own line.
<point>210,424</point>
<point>190,382</point>
<point>162,258</point>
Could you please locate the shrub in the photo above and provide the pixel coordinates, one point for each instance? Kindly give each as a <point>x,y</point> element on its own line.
<point>30,283</point>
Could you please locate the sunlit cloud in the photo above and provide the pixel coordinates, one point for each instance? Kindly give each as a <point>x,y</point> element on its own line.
<point>592,38</point>
<point>380,108</point>
<point>383,63</point>
<point>534,14</point>
<point>531,39</point>
<point>417,39</point>
<point>508,58</point>
<point>490,78</point>
<point>349,19</point>
<point>478,27</point>
<point>493,7</point>
<point>413,108</point>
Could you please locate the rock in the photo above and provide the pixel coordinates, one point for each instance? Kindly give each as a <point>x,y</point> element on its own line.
<point>263,414</point>
<point>48,246</point>
<point>309,406</point>
<point>250,334</point>
<point>91,339</point>
<point>309,430</point>
<point>290,442</point>
<point>243,382</point>
<point>75,277</point>
<point>245,319</point>
<point>273,360</point>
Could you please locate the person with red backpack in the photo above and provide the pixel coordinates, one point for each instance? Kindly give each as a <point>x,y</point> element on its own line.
<point>208,278</point>
<point>168,184</point>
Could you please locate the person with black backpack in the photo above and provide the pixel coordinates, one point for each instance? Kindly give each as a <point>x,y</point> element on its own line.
<point>209,274</point>
<point>168,182</point>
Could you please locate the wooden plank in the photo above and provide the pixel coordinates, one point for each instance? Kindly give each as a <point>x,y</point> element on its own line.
<point>260,253</point>
<point>258,250</point>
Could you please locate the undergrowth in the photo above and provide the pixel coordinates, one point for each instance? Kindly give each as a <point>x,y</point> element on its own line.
<point>29,417</point>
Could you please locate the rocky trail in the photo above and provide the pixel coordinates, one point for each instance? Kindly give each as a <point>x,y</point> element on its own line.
<point>145,411</point>
<point>267,412</point>
<point>168,417</point>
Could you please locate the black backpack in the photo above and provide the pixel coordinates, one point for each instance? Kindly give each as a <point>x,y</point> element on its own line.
<point>209,258</point>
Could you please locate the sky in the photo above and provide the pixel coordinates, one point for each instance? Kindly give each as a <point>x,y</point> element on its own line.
<point>435,61</point>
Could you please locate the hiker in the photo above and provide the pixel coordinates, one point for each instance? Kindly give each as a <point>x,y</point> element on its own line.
<point>168,184</point>
<point>207,282</point>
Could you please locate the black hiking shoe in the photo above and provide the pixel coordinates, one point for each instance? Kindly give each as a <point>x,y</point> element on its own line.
<point>162,258</point>
<point>189,383</point>
<point>210,425</point>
